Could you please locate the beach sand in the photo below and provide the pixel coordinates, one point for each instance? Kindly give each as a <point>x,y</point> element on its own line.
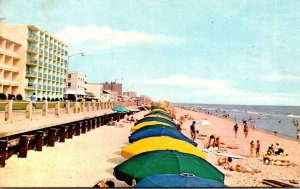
<point>91,157</point>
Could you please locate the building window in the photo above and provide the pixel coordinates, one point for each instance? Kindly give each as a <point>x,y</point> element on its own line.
<point>69,84</point>
<point>69,75</point>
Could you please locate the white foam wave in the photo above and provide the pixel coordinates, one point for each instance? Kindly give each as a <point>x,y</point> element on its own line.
<point>295,116</point>
<point>257,113</point>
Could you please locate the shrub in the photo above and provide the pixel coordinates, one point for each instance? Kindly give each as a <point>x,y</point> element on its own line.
<point>56,99</point>
<point>43,98</point>
<point>38,99</point>
<point>2,96</point>
<point>48,99</point>
<point>10,97</point>
<point>19,97</point>
<point>52,99</point>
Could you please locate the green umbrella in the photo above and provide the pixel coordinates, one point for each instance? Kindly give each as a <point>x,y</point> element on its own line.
<point>120,109</point>
<point>165,162</point>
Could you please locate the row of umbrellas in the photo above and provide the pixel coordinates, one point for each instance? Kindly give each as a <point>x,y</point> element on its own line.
<point>161,156</point>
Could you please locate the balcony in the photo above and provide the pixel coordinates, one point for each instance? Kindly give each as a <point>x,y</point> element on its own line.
<point>30,86</point>
<point>9,82</point>
<point>32,49</point>
<point>66,52</point>
<point>33,37</point>
<point>49,88</point>
<point>45,65</point>
<point>49,76</point>
<point>44,75</point>
<point>40,75</point>
<point>42,40</point>
<point>41,52</point>
<point>31,74</point>
<point>45,87</point>
<point>46,42</point>
<point>9,68</point>
<point>40,63</point>
<point>31,62</point>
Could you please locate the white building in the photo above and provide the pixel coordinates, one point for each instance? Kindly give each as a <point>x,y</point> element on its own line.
<point>75,85</point>
<point>96,89</point>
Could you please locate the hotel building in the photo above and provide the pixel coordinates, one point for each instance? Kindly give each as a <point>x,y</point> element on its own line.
<point>43,61</point>
<point>9,67</point>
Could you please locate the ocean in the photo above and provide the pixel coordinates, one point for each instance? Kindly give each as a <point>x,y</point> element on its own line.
<point>283,119</point>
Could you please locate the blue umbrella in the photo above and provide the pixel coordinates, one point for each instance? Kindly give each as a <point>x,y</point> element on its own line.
<point>120,109</point>
<point>160,131</point>
<point>175,180</point>
<point>156,119</point>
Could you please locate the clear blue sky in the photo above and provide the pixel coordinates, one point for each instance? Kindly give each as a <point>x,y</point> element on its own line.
<point>228,52</point>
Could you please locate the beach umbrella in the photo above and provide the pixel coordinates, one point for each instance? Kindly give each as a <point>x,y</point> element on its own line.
<point>158,107</point>
<point>158,110</point>
<point>120,109</point>
<point>160,143</point>
<point>147,124</point>
<point>186,180</point>
<point>203,122</point>
<point>165,162</point>
<point>160,116</point>
<point>160,131</point>
<point>159,113</point>
<point>145,119</point>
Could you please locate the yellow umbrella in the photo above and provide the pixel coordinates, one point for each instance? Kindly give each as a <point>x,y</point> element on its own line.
<point>160,143</point>
<point>147,123</point>
<point>160,116</point>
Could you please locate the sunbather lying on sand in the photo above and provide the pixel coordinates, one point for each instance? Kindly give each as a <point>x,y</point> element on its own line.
<point>239,168</point>
<point>215,142</point>
<point>270,161</point>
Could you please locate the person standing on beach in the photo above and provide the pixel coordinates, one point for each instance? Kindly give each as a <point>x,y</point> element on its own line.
<point>235,129</point>
<point>298,134</point>
<point>246,129</point>
<point>252,146</point>
<point>257,148</point>
<point>193,131</point>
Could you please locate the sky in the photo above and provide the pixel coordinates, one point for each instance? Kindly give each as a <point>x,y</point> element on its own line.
<point>193,51</point>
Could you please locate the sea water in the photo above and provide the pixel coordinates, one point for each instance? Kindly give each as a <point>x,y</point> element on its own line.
<point>283,119</point>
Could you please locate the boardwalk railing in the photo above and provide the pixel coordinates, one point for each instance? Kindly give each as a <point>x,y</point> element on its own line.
<point>59,108</point>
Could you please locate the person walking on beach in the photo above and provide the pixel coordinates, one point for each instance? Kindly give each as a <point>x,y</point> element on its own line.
<point>193,131</point>
<point>235,129</point>
<point>298,134</point>
<point>246,129</point>
<point>257,148</point>
<point>252,146</point>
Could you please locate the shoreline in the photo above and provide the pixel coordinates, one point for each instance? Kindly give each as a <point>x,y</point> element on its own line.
<point>260,129</point>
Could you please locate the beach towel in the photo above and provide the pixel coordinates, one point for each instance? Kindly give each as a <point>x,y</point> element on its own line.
<point>229,155</point>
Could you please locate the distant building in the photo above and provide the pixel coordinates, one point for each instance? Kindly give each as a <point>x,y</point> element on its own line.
<point>130,94</point>
<point>42,61</point>
<point>10,66</point>
<point>76,85</point>
<point>113,86</point>
<point>96,89</point>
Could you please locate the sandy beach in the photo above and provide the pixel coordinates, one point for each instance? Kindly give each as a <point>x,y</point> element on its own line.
<point>84,160</point>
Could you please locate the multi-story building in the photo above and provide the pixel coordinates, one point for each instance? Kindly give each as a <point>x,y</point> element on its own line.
<point>43,62</point>
<point>76,85</point>
<point>130,94</point>
<point>113,86</point>
<point>96,89</point>
<point>9,67</point>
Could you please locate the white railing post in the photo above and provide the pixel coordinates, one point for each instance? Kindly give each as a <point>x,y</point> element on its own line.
<point>57,108</point>
<point>45,108</point>
<point>67,107</point>
<point>28,109</point>
<point>8,110</point>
